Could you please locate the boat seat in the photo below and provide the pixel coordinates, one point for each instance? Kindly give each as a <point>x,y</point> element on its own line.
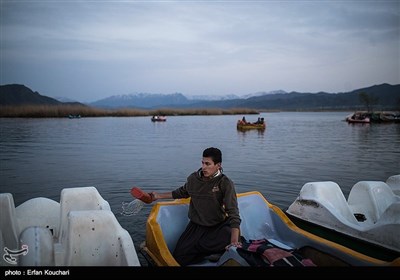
<point>371,198</point>
<point>254,218</point>
<point>82,198</point>
<point>394,183</point>
<point>388,223</point>
<point>258,224</point>
<point>391,216</point>
<point>83,244</point>
<point>8,226</point>
<point>39,241</point>
<point>40,212</point>
<point>326,195</point>
<point>179,215</point>
<point>254,223</point>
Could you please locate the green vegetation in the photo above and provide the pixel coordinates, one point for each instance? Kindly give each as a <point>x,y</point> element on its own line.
<point>62,111</point>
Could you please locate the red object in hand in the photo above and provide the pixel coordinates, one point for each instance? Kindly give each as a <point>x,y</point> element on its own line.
<point>143,196</point>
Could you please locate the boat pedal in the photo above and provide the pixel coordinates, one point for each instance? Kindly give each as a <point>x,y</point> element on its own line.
<point>213,257</point>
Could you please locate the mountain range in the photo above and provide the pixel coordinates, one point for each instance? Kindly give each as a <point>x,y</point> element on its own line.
<point>381,97</point>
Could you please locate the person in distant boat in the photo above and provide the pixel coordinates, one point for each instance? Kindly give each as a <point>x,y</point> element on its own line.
<point>259,121</point>
<point>213,211</point>
<point>244,120</point>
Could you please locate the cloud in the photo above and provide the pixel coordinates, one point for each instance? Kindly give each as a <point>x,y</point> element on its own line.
<point>198,47</point>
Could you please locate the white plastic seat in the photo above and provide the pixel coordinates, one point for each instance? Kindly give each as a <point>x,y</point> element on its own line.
<point>40,247</point>
<point>394,183</point>
<point>392,216</point>
<point>385,230</point>
<point>80,208</point>
<point>371,198</point>
<point>40,212</point>
<point>8,226</point>
<point>83,198</point>
<point>329,201</point>
<point>83,227</point>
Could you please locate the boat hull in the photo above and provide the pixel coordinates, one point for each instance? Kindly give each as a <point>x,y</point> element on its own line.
<point>248,126</point>
<point>158,119</point>
<point>354,243</point>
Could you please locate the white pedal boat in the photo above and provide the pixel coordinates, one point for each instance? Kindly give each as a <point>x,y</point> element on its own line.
<point>371,213</point>
<point>80,230</point>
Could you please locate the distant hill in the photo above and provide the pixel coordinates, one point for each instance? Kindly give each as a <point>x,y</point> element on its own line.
<point>17,95</point>
<point>382,97</point>
<point>143,100</point>
<point>21,95</point>
<point>386,97</point>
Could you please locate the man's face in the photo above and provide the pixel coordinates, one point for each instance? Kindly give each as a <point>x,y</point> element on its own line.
<point>208,167</point>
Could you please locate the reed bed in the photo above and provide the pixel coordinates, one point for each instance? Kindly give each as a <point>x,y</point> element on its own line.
<point>63,111</point>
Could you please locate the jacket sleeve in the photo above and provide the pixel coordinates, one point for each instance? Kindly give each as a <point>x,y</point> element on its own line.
<point>231,204</point>
<point>180,192</point>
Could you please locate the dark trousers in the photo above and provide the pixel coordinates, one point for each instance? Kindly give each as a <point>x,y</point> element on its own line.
<point>197,242</point>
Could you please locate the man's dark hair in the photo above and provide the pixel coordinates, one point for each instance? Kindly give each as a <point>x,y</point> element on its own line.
<point>214,153</point>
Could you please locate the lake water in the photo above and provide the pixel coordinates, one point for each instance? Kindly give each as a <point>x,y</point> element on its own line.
<point>40,157</point>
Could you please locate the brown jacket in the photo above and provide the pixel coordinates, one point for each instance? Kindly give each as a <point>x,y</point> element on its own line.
<point>212,201</point>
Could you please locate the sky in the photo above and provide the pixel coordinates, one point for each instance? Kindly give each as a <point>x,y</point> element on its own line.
<point>90,50</point>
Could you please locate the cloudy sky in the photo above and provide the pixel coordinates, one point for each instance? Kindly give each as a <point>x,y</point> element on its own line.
<point>89,50</point>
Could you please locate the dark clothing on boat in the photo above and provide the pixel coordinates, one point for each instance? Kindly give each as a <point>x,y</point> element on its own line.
<point>197,242</point>
<point>213,212</point>
<point>264,253</point>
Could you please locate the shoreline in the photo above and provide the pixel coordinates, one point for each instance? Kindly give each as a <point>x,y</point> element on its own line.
<point>65,111</point>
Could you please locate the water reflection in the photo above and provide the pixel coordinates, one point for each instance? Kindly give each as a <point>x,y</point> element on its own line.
<point>251,131</point>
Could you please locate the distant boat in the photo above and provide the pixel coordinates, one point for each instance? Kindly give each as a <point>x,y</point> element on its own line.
<point>158,118</point>
<point>358,118</point>
<point>364,120</point>
<point>74,116</point>
<point>374,117</point>
<point>241,125</point>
